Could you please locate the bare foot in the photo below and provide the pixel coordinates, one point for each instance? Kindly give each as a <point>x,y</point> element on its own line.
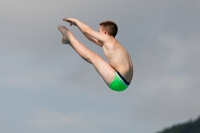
<point>64,31</point>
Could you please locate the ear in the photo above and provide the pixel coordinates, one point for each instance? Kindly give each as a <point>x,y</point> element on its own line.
<point>105,31</point>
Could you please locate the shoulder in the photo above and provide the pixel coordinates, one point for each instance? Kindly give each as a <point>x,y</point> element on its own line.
<point>111,43</point>
<point>110,39</point>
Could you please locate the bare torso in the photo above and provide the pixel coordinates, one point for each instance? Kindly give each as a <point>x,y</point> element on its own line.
<point>119,58</point>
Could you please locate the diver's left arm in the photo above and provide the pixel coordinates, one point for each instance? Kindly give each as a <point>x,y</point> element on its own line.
<point>85,29</point>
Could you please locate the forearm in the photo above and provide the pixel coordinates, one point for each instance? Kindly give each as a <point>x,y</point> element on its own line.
<point>83,27</point>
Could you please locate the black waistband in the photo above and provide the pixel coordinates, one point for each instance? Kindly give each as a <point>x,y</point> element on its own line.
<point>127,83</point>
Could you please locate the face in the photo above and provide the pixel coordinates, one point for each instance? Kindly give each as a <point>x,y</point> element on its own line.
<point>101,30</point>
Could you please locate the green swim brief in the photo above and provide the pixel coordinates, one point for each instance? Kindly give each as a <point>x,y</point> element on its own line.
<point>119,83</point>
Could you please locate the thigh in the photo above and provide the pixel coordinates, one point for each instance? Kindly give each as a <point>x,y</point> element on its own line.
<point>103,68</point>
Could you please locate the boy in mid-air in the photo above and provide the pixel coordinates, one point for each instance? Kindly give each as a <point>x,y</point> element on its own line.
<point>118,73</point>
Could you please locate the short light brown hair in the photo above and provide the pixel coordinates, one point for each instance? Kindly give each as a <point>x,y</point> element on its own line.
<point>110,27</point>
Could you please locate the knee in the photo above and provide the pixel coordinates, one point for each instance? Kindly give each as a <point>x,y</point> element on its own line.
<point>90,56</point>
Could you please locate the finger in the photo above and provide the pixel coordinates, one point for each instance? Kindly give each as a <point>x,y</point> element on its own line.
<point>65,19</point>
<point>68,21</point>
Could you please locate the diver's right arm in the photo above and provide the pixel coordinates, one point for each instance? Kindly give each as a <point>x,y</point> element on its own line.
<point>92,39</point>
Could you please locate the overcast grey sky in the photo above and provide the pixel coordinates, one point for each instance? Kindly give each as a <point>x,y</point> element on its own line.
<point>45,87</point>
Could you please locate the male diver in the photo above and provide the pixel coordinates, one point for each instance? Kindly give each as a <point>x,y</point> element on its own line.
<point>118,73</point>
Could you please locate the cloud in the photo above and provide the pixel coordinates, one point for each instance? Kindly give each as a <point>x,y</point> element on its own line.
<point>80,121</point>
<point>162,38</point>
<point>164,86</point>
<point>50,119</point>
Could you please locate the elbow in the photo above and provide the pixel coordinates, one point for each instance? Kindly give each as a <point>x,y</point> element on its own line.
<point>86,30</point>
